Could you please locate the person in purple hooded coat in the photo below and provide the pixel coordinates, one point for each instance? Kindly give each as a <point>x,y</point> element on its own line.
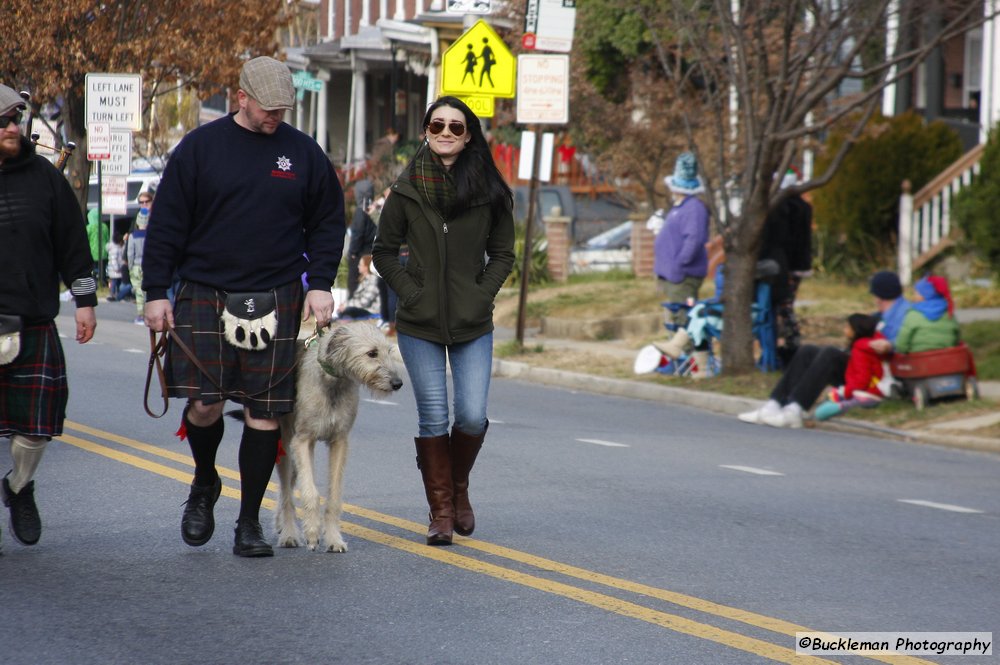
<point>680,257</point>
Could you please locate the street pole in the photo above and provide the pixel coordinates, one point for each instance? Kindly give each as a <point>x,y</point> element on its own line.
<point>100,190</point>
<point>526,263</point>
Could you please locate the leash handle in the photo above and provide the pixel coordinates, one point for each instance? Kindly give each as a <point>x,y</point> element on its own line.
<point>157,349</point>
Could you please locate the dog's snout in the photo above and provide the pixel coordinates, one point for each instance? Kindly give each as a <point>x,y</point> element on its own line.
<point>396,384</point>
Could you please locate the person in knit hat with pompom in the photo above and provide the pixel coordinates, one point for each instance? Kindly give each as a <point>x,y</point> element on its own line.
<point>930,322</point>
<point>680,258</point>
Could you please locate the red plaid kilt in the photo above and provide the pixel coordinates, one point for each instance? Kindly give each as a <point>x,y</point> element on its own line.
<point>33,390</point>
<point>260,380</point>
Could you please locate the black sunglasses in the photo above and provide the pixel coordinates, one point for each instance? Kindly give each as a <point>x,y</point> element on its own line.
<point>16,119</point>
<point>437,126</point>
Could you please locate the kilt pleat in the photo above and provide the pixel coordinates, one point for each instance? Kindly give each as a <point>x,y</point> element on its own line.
<point>260,380</point>
<point>33,388</point>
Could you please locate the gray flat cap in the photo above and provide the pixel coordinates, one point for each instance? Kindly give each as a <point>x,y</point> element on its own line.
<point>269,82</point>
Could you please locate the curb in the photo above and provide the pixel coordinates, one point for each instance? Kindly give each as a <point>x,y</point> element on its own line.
<point>723,404</point>
<point>727,404</point>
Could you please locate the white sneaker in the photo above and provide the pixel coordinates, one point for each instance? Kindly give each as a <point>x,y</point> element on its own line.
<point>787,417</point>
<point>754,417</point>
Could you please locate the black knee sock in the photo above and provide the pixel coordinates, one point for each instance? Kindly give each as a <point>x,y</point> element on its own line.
<point>204,442</point>
<point>258,449</point>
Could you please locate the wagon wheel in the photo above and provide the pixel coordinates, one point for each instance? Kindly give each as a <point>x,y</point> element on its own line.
<point>971,388</point>
<point>920,397</point>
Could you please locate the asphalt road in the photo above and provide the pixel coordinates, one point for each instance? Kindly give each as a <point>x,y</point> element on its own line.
<point>610,530</point>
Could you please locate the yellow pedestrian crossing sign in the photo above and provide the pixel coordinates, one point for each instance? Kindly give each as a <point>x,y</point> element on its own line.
<point>478,63</point>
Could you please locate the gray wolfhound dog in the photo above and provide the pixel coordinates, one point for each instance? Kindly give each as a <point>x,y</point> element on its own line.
<point>329,373</point>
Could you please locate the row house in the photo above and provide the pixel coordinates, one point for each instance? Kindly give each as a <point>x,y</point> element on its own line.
<point>379,64</point>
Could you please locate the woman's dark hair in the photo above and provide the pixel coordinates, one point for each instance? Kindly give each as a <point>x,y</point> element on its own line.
<point>862,325</point>
<point>474,170</point>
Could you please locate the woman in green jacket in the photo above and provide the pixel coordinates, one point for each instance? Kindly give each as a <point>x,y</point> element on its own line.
<point>453,210</point>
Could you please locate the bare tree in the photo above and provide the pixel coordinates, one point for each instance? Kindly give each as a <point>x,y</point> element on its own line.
<point>772,72</point>
<point>49,46</point>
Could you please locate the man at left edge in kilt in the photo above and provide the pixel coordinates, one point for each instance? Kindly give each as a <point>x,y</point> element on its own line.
<point>242,202</point>
<point>43,239</point>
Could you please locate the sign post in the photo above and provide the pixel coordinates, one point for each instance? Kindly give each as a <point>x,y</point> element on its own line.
<point>542,98</point>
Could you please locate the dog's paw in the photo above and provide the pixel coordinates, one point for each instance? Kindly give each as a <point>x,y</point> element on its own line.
<point>288,540</point>
<point>336,544</point>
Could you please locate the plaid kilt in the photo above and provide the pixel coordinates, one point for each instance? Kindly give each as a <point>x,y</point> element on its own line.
<point>259,380</point>
<point>33,390</point>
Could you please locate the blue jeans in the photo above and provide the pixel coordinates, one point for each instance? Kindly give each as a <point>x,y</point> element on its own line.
<point>471,367</point>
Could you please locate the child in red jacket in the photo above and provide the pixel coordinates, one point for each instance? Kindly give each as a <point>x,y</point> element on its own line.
<point>864,370</point>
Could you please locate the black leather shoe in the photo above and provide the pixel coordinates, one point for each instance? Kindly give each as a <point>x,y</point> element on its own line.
<point>25,523</point>
<point>198,522</point>
<point>250,539</point>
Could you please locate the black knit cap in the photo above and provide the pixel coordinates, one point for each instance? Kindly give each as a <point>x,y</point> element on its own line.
<point>885,285</point>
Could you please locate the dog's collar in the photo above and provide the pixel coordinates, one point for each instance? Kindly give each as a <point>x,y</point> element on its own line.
<point>327,367</point>
<point>313,339</point>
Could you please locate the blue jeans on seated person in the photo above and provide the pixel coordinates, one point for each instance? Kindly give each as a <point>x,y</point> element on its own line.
<point>471,367</point>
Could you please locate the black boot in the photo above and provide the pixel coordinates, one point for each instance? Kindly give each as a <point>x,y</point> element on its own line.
<point>25,523</point>
<point>198,520</point>
<point>250,539</point>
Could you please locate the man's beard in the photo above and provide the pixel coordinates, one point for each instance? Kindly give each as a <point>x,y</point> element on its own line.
<point>10,147</point>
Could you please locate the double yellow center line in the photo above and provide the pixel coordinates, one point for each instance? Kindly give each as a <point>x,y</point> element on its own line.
<point>780,651</point>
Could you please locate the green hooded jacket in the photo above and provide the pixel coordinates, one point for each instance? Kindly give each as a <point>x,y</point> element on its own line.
<point>455,268</point>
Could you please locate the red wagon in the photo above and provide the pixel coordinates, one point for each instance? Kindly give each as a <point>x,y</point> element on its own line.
<point>930,375</point>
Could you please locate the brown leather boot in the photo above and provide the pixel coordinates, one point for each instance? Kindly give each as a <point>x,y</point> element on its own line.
<point>464,449</point>
<point>435,467</point>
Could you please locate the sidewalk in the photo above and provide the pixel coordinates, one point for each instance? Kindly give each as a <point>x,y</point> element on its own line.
<point>950,433</point>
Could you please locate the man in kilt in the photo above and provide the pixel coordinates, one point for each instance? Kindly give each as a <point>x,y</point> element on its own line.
<point>242,203</point>
<point>42,238</point>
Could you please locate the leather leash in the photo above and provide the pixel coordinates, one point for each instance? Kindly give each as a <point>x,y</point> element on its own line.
<point>158,349</point>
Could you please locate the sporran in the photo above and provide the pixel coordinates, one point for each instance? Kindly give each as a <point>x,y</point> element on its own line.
<point>250,320</point>
<point>10,338</point>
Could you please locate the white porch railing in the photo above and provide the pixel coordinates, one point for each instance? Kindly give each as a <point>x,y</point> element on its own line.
<point>925,217</point>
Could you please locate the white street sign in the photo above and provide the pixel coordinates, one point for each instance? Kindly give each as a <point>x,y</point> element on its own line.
<point>468,7</point>
<point>114,191</point>
<point>115,99</point>
<point>527,156</point>
<point>98,141</point>
<point>548,25</point>
<point>543,89</point>
<point>119,162</point>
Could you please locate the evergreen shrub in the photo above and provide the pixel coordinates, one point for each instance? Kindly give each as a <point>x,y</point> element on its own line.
<point>857,212</point>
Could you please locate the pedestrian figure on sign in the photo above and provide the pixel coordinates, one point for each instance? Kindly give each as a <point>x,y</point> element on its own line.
<point>470,65</point>
<point>488,61</point>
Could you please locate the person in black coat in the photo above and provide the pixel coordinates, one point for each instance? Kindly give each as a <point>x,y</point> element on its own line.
<point>43,242</point>
<point>362,232</point>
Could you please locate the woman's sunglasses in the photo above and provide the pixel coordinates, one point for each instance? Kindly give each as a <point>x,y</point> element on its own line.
<point>435,127</point>
<point>16,119</point>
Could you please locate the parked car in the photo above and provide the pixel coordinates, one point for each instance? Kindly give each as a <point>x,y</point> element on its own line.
<point>611,250</point>
<point>546,198</point>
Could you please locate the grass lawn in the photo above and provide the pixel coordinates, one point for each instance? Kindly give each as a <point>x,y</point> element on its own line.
<point>823,304</point>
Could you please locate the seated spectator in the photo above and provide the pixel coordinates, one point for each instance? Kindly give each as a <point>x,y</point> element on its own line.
<point>364,304</point>
<point>813,368</point>
<point>862,383</point>
<point>930,323</point>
